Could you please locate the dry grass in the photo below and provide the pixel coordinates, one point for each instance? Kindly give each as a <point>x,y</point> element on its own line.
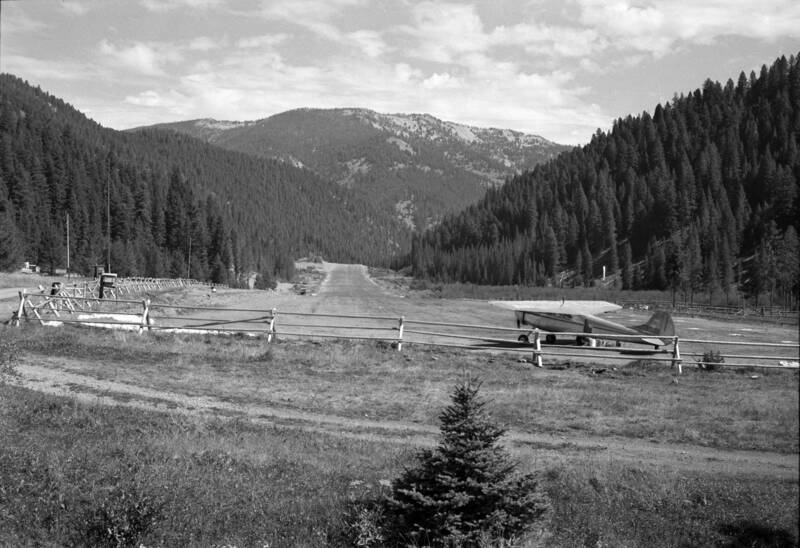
<point>600,503</point>
<point>70,474</point>
<point>724,409</point>
<point>70,471</point>
<point>201,483</point>
<point>31,281</point>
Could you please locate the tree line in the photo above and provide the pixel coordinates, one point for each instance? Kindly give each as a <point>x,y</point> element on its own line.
<point>700,195</point>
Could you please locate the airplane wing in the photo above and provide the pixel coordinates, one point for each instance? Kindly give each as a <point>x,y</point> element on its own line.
<point>579,308</point>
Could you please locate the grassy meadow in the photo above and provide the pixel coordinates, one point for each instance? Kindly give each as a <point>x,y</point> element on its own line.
<point>32,281</point>
<point>75,473</point>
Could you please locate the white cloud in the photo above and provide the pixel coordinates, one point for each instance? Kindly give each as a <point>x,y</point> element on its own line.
<point>138,57</point>
<point>15,20</point>
<point>40,70</point>
<point>552,40</point>
<point>369,42</point>
<point>144,59</point>
<point>74,8</point>
<point>160,106</point>
<point>405,73</point>
<point>442,81</point>
<point>161,6</point>
<point>299,10</point>
<point>455,33</point>
<point>263,41</point>
<point>659,26</point>
<point>445,31</point>
<point>204,43</point>
<point>149,98</point>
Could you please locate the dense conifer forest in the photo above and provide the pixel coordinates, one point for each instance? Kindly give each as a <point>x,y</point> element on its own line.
<point>702,194</point>
<point>177,206</point>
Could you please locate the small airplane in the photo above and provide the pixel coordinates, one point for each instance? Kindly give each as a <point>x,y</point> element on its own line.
<point>581,317</point>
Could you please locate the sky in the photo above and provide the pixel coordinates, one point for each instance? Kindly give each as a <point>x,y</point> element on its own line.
<point>561,69</point>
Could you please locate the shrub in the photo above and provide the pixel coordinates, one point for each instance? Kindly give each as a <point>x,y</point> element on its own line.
<point>121,519</point>
<point>710,360</point>
<point>365,520</point>
<point>464,492</point>
<point>265,280</point>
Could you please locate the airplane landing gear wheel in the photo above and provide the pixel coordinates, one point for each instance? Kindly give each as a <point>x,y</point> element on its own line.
<point>550,339</point>
<point>523,339</point>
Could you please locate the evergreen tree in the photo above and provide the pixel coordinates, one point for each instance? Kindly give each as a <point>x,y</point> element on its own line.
<point>551,252</point>
<point>788,267</point>
<point>588,265</point>
<point>167,190</point>
<point>11,247</point>
<point>627,266</point>
<point>465,489</point>
<point>713,169</point>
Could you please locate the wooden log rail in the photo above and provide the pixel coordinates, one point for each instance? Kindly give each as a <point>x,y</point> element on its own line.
<point>143,315</point>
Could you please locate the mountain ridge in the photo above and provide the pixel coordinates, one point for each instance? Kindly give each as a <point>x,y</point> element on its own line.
<point>414,163</point>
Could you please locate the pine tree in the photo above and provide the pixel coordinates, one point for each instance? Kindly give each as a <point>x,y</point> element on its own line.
<point>588,265</point>
<point>551,252</point>
<point>788,267</point>
<point>11,249</point>
<point>627,266</point>
<point>466,488</point>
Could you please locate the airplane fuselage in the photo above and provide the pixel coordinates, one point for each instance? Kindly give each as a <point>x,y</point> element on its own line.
<point>580,323</point>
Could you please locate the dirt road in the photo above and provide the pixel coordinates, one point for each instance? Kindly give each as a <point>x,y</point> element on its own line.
<point>348,290</point>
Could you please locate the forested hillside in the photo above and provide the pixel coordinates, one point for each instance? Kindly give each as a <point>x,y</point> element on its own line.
<point>412,166</point>
<point>178,206</point>
<point>702,194</point>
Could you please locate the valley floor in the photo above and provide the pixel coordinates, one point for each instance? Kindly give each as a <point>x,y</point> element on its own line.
<point>706,451</point>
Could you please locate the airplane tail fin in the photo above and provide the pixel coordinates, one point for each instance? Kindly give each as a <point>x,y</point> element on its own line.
<point>659,323</point>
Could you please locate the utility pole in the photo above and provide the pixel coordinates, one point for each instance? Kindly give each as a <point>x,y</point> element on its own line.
<point>67,244</point>
<point>108,223</point>
<point>189,259</point>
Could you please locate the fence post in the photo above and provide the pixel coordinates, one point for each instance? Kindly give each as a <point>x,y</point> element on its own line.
<point>145,316</point>
<point>271,331</point>
<point>676,355</point>
<point>21,308</point>
<point>400,334</point>
<point>537,348</point>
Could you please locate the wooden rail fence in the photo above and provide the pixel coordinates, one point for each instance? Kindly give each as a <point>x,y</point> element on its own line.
<point>73,307</point>
<point>775,314</point>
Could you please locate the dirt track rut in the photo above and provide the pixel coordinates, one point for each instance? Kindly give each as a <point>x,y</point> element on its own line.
<point>52,379</point>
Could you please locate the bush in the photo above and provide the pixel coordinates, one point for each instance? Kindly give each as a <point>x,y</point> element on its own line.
<point>465,492</point>
<point>364,519</point>
<point>121,519</point>
<point>710,360</point>
<point>265,280</point>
